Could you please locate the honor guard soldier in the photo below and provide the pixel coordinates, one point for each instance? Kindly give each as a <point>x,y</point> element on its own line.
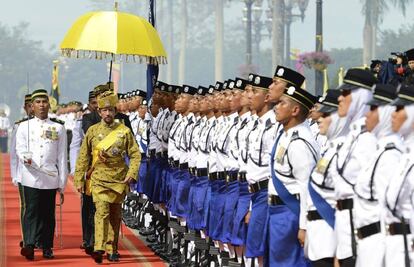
<point>238,151</point>
<point>293,158</point>
<point>259,145</point>
<point>103,158</point>
<point>42,155</point>
<point>398,216</point>
<point>204,147</point>
<point>14,161</point>
<point>374,177</point>
<point>320,235</point>
<point>283,78</point>
<point>358,147</point>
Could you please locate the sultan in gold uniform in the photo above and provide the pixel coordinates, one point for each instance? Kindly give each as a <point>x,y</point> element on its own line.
<point>102,157</point>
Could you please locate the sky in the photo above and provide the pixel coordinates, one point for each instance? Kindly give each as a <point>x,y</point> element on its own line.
<point>343,20</point>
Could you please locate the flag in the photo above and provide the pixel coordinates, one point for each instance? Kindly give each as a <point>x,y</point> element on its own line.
<point>325,81</point>
<point>152,70</point>
<point>55,91</point>
<point>341,76</point>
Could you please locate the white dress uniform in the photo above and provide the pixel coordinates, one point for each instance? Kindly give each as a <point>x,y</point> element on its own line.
<point>47,142</point>
<point>154,143</point>
<point>75,144</point>
<point>169,120</point>
<point>14,161</point>
<point>212,159</point>
<point>321,239</point>
<point>141,134</point>
<point>358,147</point>
<point>162,132</point>
<point>204,143</point>
<point>223,141</point>
<point>194,141</point>
<point>320,139</point>
<point>134,119</point>
<point>173,139</point>
<point>296,155</point>
<point>247,122</point>
<point>369,198</point>
<point>184,143</point>
<point>259,145</point>
<point>399,204</point>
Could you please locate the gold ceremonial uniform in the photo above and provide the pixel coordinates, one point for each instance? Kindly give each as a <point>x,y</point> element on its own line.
<point>103,151</point>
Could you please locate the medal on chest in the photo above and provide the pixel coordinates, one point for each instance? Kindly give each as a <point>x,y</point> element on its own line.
<point>322,165</point>
<point>280,154</point>
<point>50,133</point>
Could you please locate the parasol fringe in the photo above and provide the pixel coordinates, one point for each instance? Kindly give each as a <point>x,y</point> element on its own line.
<point>142,59</point>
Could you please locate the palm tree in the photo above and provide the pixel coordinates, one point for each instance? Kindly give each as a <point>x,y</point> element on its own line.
<point>219,40</point>
<point>183,43</point>
<point>374,11</point>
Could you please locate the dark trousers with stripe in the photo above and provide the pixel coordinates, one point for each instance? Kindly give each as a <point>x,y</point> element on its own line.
<point>88,225</point>
<point>39,215</point>
<point>22,211</point>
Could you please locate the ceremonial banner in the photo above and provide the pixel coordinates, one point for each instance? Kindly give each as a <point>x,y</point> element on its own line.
<point>54,92</point>
<point>152,70</point>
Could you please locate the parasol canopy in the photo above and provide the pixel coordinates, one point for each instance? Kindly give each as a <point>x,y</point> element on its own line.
<point>114,35</point>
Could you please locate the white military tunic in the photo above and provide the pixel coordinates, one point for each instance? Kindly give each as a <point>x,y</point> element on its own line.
<point>48,143</point>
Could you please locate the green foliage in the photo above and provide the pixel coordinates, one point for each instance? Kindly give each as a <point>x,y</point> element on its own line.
<point>20,56</point>
<point>395,41</point>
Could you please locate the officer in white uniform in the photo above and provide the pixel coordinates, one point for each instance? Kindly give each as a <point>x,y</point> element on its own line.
<point>358,147</point>
<point>374,177</point>
<point>42,155</point>
<point>294,155</point>
<point>259,144</point>
<point>398,214</point>
<point>14,162</point>
<point>320,245</point>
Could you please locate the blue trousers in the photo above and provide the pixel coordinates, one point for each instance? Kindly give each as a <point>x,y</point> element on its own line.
<point>232,197</point>
<point>284,248</point>
<point>239,231</point>
<point>257,228</point>
<point>181,197</point>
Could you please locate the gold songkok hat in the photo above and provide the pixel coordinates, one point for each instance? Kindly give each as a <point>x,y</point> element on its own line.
<point>107,99</point>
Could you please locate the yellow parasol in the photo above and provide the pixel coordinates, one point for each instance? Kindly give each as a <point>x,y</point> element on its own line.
<point>116,36</point>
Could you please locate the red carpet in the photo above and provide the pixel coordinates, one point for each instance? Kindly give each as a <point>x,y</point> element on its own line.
<point>133,251</point>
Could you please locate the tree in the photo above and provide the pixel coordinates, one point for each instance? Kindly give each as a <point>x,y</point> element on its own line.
<point>374,11</point>
<point>20,57</point>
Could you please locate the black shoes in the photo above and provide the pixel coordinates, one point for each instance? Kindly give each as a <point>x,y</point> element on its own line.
<point>98,256</point>
<point>28,252</point>
<point>48,253</point>
<point>89,250</point>
<point>113,257</point>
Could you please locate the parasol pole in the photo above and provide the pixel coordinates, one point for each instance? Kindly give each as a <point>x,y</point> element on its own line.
<point>28,115</point>
<point>110,71</point>
<point>110,65</point>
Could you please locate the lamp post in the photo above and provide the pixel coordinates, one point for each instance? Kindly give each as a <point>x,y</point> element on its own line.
<point>319,47</point>
<point>248,16</point>
<point>289,18</point>
<point>257,14</point>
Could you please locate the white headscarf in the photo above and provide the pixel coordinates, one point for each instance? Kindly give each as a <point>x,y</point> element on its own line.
<point>357,109</point>
<point>383,128</point>
<point>407,126</point>
<point>336,127</point>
